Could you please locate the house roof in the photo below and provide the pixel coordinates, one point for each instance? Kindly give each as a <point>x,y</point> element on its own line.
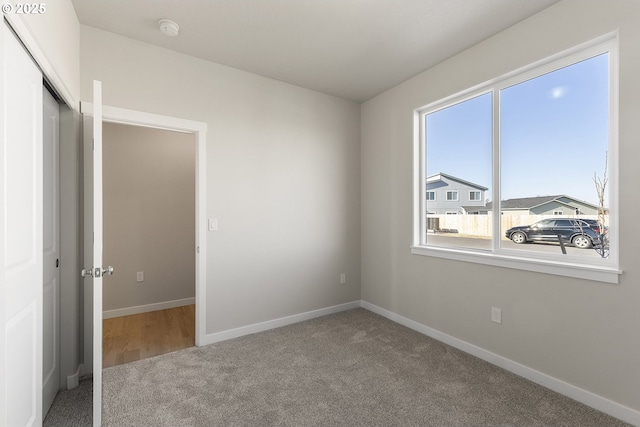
<point>476,208</point>
<point>533,202</point>
<point>438,177</point>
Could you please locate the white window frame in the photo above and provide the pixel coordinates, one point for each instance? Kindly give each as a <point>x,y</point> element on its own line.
<point>608,271</point>
<point>558,211</point>
<point>474,192</point>
<point>452,192</point>
<point>434,196</point>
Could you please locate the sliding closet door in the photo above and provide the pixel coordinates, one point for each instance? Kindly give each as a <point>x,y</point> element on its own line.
<point>21,235</point>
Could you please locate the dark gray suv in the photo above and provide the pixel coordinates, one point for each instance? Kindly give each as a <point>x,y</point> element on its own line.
<point>582,233</point>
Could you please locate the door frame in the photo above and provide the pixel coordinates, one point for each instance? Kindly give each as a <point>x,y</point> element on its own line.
<point>51,374</point>
<point>199,130</point>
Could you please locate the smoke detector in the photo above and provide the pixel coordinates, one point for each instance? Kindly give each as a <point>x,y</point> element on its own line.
<point>168,27</point>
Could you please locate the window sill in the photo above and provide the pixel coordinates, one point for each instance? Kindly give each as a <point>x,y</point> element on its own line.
<point>606,274</point>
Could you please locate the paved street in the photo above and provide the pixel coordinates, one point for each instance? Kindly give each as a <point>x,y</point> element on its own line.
<point>454,240</point>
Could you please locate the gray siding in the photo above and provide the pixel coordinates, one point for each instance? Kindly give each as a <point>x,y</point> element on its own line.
<point>567,208</point>
<point>441,205</point>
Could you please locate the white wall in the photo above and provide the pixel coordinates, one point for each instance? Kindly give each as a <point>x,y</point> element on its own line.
<point>283,176</point>
<point>53,39</point>
<point>149,216</point>
<point>582,332</point>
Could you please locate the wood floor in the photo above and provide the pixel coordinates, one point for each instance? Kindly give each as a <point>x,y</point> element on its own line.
<point>139,336</point>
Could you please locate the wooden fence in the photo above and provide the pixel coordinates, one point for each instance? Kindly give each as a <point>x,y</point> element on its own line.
<point>480,225</point>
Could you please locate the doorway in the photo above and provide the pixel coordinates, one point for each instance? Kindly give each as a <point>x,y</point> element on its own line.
<point>149,235</point>
<point>93,224</point>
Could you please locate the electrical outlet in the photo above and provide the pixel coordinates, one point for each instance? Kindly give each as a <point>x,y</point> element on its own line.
<point>496,315</point>
<point>140,276</point>
<point>343,278</point>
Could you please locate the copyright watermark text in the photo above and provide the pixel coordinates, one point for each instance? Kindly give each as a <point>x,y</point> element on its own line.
<point>24,8</point>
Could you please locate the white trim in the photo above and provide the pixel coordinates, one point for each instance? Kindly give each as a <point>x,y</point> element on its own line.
<point>138,309</point>
<point>434,196</point>
<point>528,263</point>
<point>581,395</point>
<point>199,129</point>
<point>479,199</point>
<point>140,118</point>
<point>277,323</point>
<point>73,380</point>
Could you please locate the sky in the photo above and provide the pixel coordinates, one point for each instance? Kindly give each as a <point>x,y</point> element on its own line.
<point>553,130</point>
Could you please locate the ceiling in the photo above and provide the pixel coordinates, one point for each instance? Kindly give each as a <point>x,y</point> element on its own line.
<point>353,49</point>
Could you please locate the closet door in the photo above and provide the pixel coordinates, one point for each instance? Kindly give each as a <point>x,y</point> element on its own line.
<point>21,235</point>
<point>51,255</point>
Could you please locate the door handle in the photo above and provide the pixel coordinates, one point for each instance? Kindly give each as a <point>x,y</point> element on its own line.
<point>108,271</point>
<point>97,272</point>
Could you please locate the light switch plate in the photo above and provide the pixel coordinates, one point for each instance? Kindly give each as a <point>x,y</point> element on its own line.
<point>496,315</point>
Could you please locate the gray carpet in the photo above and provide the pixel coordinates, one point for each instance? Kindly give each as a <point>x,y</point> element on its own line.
<point>72,408</point>
<point>350,369</point>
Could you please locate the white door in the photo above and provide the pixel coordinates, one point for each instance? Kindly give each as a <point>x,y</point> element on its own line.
<point>93,270</point>
<point>21,236</point>
<point>51,253</point>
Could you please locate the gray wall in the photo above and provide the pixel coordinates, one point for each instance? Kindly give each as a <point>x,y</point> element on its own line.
<point>283,176</point>
<point>149,215</point>
<point>71,306</point>
<point>53,39</point>
<point>582,332</point>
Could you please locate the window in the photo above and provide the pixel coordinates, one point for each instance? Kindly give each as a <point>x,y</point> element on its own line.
<point>431,196</point>
<point>532,139</point>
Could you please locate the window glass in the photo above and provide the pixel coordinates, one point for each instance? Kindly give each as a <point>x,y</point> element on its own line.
<point>554,136</point>
<point>548,160</point>
<point>458,161</point>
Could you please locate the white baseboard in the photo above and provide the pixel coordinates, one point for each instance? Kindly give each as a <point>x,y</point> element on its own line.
<point>73,380</point>
<point>277,323</point>
<point>595,401</point>
<point>108,314</point>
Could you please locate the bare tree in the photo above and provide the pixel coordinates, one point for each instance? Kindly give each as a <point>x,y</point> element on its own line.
<point>601,186</point>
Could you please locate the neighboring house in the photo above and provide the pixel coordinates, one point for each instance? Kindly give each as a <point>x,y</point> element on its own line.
<point>447,194</point>
<point>547,205</point>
